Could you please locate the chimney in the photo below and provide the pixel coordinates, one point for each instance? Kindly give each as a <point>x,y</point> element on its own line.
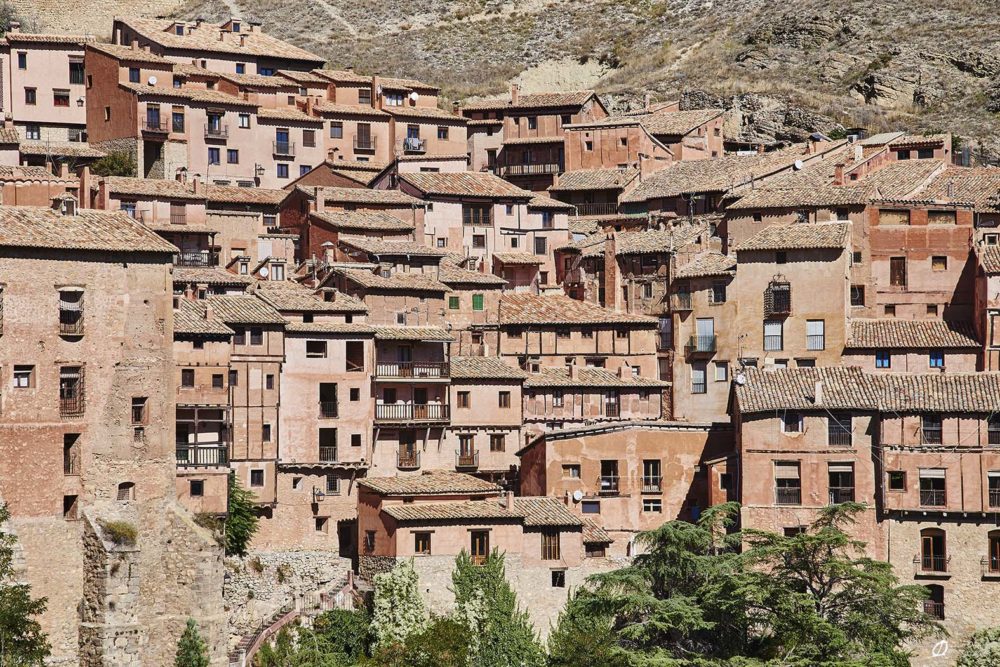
<point>610,273</point>
<point>182,175</point>
<point>86,196</point>
<point>320,200</point>
<point>646,101</point>
<point>198,185</point>
<point>509,500</point>
<point>15,26</point>
<point>455,109</point>
<point>102,194</point>
<point>8,121</point>
<point>574,372</point>
<point>189,293</point>
<point>818,394</point>
<point>624,371</point>
<point>859,153</point>
<point>63,170</point>
<point>243,40</point>
<point>209,311</point>
<point>515,94</point>
<point>222,35</point>
<point>760,149</point>
<point>838,174</point>
<point>134,45</point>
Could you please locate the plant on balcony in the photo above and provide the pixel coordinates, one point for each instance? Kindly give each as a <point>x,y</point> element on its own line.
<point>121,533</point>
<point>503,631</point>
<point>241,524</point>
<point>192,651</point>
<point>398,606</point>
<point>981,650</point>
<point>21,635</point>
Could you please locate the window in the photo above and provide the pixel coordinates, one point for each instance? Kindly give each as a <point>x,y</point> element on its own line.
<point>71,400</point>
<point>935,359</point>
<point>550,544</point>
<point>590,507</point>
<point>214,156</point>
<point>477,302</point>
<point>780,257</point>
<point>365,96</point>
<point>71,312</point>
<point>940,217</point>
<point>773,335</point>
<point>139,415</point>
<point>939,263</point>
<point>498,442</point>
<point>60,98</point>
<point>309,138</point>
<point>269,381</point>
<point>993,430</point>
<point>107,113</point>
<point>256,478</point>
<point>70,509</point>
<point>477,214</point>
<point>838,429</point>
<point>71,454</point>
<point>788,484</point>
<point>464,399</point>
<point>442,133</point>
<point>791,422</point>
<point>177,121</point>
<point>653,505</point>
<point>541,245</point>
<point>930,429</point>
<point>265,433</point>
<point>840,477</point>
<point>883,359</point>
<point>369,540</point>
<point>24,377</point>
<point>532,123</point>
<point>652,478</point>
<point>479,546</point>
<point>698,385</point>
<point>857,295</point>
<point>256,336</point>
<point>993,484</point>
<point>897,271</point>
<point>134,75</point>
<point>322,523</point>
<point>244,121</point>
<point>815,334</point>
<point>282,170</point>
<point>558,578</point>
<point>933,557</point>
<point>33,131</point>
<point>232,156</point>
<point>332,484</point>
<point>721,371</point>
<point>504,399</point>
<point>197,488</point>
<point>22,60</point>
<point>453,302</point>
<point>718,293</point>
<point>422,544</point>
<point>234,378</point>
<point>316,349</point>
<point>336,130</point>
<point>355,356</point>
<point>897,480</point>
<point>30,96</point>
<point>932,310</point>
<point>932,487</point>
<point>187,377</point>
<point>571,470</point>
<point>355,440</point>
<point>126,491</point>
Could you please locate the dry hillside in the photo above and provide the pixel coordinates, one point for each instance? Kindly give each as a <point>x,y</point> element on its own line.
<point>785,67</point>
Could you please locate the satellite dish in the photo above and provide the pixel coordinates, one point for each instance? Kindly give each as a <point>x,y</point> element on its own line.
<point>577,495</point>
<point>151,80</point>
<point>414,96</point>
<point>264,272</point>
<point>798,165</point>
<point>740,379</point>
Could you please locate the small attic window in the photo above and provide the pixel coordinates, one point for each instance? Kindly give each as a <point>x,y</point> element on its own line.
<point>179,29</point>
<point>235,26</point>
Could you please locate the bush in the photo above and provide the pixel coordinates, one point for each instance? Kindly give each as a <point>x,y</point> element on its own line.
<point>982,649</point>
<point>115,163</point>
<point>192,651</point>
<point>122,533</point>
<point>242,521</point>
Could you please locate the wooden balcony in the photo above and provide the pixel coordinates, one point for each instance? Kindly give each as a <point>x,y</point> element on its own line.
<point>407,460</point>
<point>403,413</point>
<point>202,455</point>
<point>541,169</point>
<point>778,298</point>
<point>412,370</point>
<point>788,496</point>
<point>155,127</point>
<point>700,345</point>
<point>596,208</point>
<point>364,143</point>
<point>328,409</point>
<point>328,454</point>
<point>218,132</point>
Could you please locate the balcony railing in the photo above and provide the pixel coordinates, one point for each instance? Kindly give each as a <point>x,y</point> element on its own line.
<point>839,438</point>
<point>664,341</point>
<point>217,132</point>
<point>652,484</point>
<point>328,454</point>
<point>777,299</point>
<point>328,409</point>
<point>596,208</point>
<point>788,496</point>
<point>410,412</point>
<point>841,494</point>
<point>612,410</point>
<point>197,258</point>
<point>154,126</point>
<point>994,497</point>
<point>71,328</point>
<point>932,498</point>
<point>608,485</point>
<point>466,459</point>
<point>701,344</point>
<point>286,148</point>
<point>990,566</point>
<point>70,404</point>
<point>931,563</point>
<point>408,460</point>
<point>414,145</point>
<point>934,609</point>
<point>364,143</point>
<point>412,369</point>
<point>202,455</point>
<point>532,169</point>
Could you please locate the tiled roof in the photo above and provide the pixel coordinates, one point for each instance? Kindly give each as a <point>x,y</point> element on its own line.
<point>9,135</point>
<point>397,281</point>
<point>367,220</point>
<point>654,241</point>
<point>189,319</point>
<point>244,309</point>
<point>545,511</point>
<point>392,248</point>
<point>672,123</point>
<point>256,80</point>
<point>207,38</point>
<point>464,184</point>
<point>989,259</point>
<point>587,376</point>
<point>342,76</point>
<point>594,533</point>
<point>895,333</point>
<point>484,368</point>
<point>205,275</point>
<point>303,77</point>
<point>594,179</point>
<point>17,36</point>
<point>435,482</point>
<point>583,225</point>
<point>979,186</point>
<point>515,141</point>
<point>881,139</point>
<point>397,83</point>
<point>451,274</point>
<point>706,264</point>
<point>431,334</point>
<point>77,149</point>
<point>89,229</point>
<point>548,203</point>
<point>287,295</point>
<point>557,309</point>
<point>348,109</point>
<point>519,258</point>
<point>850,388</point>
<point>287,113</point>
<point>150,187</point>
<point>576,98</point>
<point>454,511</point>
<point>824,195</point>
<point>193,94</point>
<point>432,113</point>
<point>798,236</point>
<point>30,173</point>
<point>360,196</point>
<point>920,140</point>
<point>352,328</point>
<point>233,194</point>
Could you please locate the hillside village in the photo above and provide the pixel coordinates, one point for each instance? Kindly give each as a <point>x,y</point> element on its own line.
<point>413,329</point>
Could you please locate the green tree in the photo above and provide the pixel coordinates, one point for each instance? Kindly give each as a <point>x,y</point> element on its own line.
<point>22,641</point>
<point>241,522</point>
<point>398,606</point>
<point>484,598</point>
<point>344,633</point>
<point>192,651</point>
<point>443,642</point>
<point>981,650</point>
<point>580,639</point>
<point>115,163</point>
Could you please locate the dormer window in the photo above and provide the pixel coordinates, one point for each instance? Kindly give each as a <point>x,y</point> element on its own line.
<point>179,29</point>
<point>235,26</point>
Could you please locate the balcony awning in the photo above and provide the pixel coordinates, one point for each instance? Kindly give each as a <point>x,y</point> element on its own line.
<point>786,471</point>
<point>932,473</point>
<point>841,467</point>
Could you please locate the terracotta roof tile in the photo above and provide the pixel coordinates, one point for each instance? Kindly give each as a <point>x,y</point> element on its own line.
<point>302,77</point>
<point>435,482</point>
<point>799,236</point>
<point>451,274</point>
<point>480,368</point>
<point>516,141</point>
<point>474,510</point>
<point>392,248</point>
<point>203,275</point>
<point>30,173</point>
<point>894,333</point>
<point>77,149</point>
<point>545,511</point>
<point>594,179</point>
<point>406,281</point>
<point>291,296</point>
<point>397,83</point>
<point>432,113</point>
<point>347,109</point>
<point>576,98</point>
<point>654,241</point>
<point>706,264</point>
<point>150,187</point>
<point>189,319</point>
<point>519,258</point>
<point>979,186</point>
<point>366,220</point>
<point>287,114</point>
<point>352,328</point>
<point>583,225</point>
<point>594,533</point>
<point>587,376</point>
<point>14,37</point>
<point>89,229</point>
<point>824,195</point>
<point>557,309</point>
<point>244,309</point>
<point>541,202</point>
<point>429,334</point>
<point>253,80</point>
<point>342,76</point>
<point>464,184</point>
<point>361,196</point>
<point>989,259</point>
<point>9,135</point>
<point>233,194</point>
<point>202,95</point>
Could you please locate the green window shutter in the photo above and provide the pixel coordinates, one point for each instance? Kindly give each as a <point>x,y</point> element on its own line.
<point>477,302</point>
<point>453,302</point>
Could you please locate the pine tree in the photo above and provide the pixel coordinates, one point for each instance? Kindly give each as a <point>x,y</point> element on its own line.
<point>241,523</point>
<point>22,641</point>
<point>192,651</point>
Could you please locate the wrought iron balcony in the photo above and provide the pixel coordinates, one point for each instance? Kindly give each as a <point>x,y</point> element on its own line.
<point>934,609</point>
<point>608,485</point>
<point>932,498</point>
<point>932,563</point>
<point>328,409</point>
<point>364,143</point>
<point>216,131</point>
<point>328,454</point>
<point>466,459</point>
<point>154,126</point>
<point>778,297</point>
<point>788,496</point>
<point>284,148</point>
<point>406,460</point>
<point>701,345</point>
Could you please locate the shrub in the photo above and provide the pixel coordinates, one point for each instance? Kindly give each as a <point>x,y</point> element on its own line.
<point>192,651</point>
<point>115,163</point>
<point>121,533</point>
<point>241,523</point>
